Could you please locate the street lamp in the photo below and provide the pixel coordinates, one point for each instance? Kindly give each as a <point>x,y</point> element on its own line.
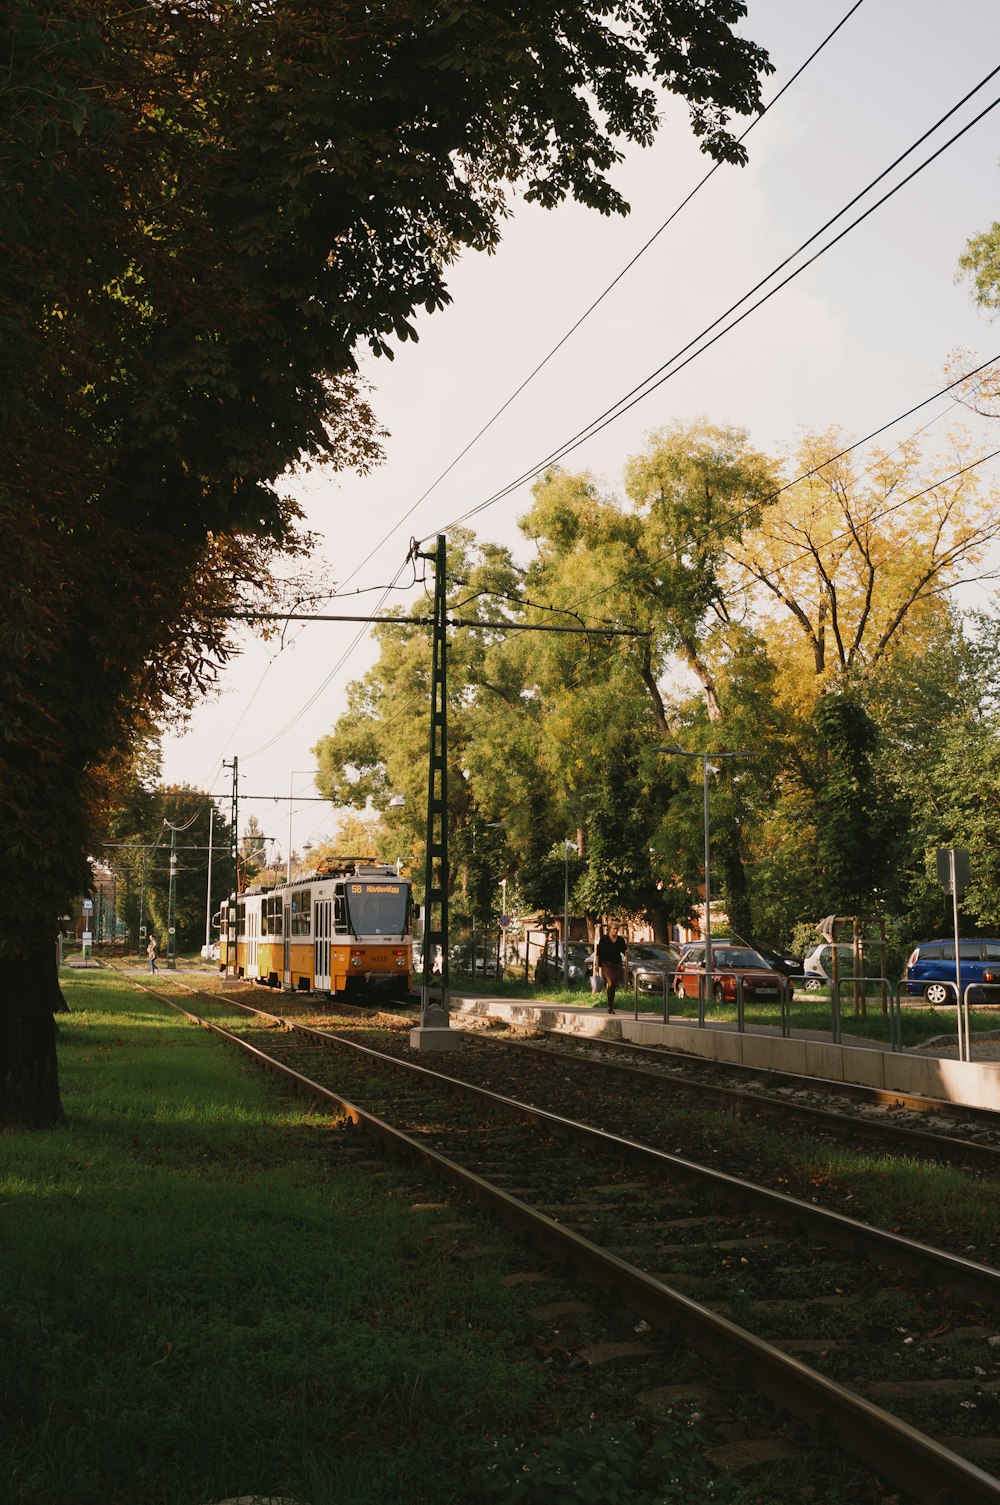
<point>566,850</point>
<point>706,768</point>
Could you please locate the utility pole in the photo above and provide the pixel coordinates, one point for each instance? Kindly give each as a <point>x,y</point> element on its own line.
<point>142,904</point>
<point>172,903</point>
<point>433,1032</point>
<point>233,869</point>
<point>208,894</point>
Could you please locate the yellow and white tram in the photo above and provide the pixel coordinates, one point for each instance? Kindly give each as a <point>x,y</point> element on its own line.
<point>348,924</point>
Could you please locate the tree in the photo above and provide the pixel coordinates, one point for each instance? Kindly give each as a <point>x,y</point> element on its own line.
<point>847,567</point>
<point>139,855</point>
<point>207,210</point>
<point>253,852</point>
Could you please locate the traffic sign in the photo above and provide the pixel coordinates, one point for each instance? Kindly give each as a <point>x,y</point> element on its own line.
<point>88,936</point>
<point>944,857</point>
<point>88,905</point>
<point>504,921</point>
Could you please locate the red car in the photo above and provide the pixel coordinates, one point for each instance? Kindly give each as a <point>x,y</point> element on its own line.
<point>760,981</point>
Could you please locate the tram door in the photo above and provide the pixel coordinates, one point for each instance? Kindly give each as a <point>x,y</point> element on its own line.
<point>253,941</point>
<point>286,964</point>
<point>321,945</point>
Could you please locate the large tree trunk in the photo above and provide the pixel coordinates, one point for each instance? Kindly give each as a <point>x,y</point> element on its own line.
<point>29,1082</point>
<point>57,1001</point>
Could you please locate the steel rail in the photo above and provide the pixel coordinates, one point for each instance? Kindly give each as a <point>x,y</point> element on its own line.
<point>827,1226</point>
<point>930,1471</point>
<point>923,1140</point>
<point>979,1280</point>
<point>883,1096</point>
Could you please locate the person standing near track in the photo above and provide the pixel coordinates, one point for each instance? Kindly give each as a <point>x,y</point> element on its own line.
<point>612,955</point>
<point>153,951</point>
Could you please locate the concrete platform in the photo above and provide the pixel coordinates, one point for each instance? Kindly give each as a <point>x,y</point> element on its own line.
<point>806,1052</point>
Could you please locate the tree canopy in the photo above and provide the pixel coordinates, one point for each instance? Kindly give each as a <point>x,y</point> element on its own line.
<point>206,211</point>
<point>807,624</point>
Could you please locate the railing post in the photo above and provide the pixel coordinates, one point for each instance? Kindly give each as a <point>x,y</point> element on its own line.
<point>740,1002</point>
<point>835,1029</point>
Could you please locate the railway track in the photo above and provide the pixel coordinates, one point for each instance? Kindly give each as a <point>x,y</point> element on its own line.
<point>816,1306</point>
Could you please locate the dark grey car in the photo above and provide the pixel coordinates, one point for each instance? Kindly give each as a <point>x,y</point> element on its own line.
<point>651,967</point>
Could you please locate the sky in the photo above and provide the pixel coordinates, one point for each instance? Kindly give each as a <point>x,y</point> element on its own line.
<point>861,335</point>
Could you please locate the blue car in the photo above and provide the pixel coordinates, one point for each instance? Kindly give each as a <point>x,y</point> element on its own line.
<point>930,969</point>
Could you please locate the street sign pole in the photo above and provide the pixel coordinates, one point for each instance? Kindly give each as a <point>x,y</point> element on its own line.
<point>953,875</point>
<point>963,1052</point>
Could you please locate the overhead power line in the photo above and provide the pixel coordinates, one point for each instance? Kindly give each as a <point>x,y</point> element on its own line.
<point>673,365</point>
<point>600,297</point>
<point>830,459</point>
<point>522,386</point>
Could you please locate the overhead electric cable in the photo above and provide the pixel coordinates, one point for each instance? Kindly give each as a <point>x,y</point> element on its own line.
<point>601,296</point>
<point>333,672</point>
<point>537,369</point>
<point>806,475</point>
<point>650,384</point>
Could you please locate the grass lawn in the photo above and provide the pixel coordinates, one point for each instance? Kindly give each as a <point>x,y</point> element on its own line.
<point>205,1294</point>
<point>201,1299</point>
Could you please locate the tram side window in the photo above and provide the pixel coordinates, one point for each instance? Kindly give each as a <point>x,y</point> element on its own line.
<point>274,915</point>
<point>301,900</point>
<point>241,919</point>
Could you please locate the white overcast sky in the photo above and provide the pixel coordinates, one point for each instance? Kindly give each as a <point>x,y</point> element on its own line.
<point>861,335</point>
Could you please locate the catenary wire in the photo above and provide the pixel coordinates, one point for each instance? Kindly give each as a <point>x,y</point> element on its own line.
<point>644,389</point>
<point>806,475</point>
<point>668,368</point>
<point>333,672</point>
<point>529,378</point>
<point>601,296</point>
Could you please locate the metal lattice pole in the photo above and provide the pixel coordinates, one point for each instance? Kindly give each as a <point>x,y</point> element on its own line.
<point>433,1032</point>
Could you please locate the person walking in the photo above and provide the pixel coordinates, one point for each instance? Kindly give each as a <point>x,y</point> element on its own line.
<point>612,955</point>
<point>153,951</point>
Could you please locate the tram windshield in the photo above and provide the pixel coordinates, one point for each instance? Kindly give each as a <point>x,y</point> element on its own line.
<point>377,906</point>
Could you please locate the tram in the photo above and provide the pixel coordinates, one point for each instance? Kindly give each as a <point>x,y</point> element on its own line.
<point>348,925</point>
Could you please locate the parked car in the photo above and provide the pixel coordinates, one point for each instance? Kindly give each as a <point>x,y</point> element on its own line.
<point>649,963</point>
<point>760,980</point>
<point>930,969</point>
<point>818,965</point>
<point>210,953</point>
<point>784,965</point>
<point>580,959</point>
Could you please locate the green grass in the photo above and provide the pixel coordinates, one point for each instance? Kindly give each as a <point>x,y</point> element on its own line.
<point>204,1294</point>
<point>199,1302</point>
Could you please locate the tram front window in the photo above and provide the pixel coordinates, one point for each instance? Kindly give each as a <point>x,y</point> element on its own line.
<point>377,908</point>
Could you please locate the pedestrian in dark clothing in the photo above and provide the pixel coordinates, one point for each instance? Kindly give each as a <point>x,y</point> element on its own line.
<point>612,954</point>
<point>153,951</point>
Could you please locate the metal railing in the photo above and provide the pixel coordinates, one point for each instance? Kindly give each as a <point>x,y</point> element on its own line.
<point>991,992</point>
<point>890,999</point>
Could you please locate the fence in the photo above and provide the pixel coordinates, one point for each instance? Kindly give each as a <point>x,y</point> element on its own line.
<point>890,998</point>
